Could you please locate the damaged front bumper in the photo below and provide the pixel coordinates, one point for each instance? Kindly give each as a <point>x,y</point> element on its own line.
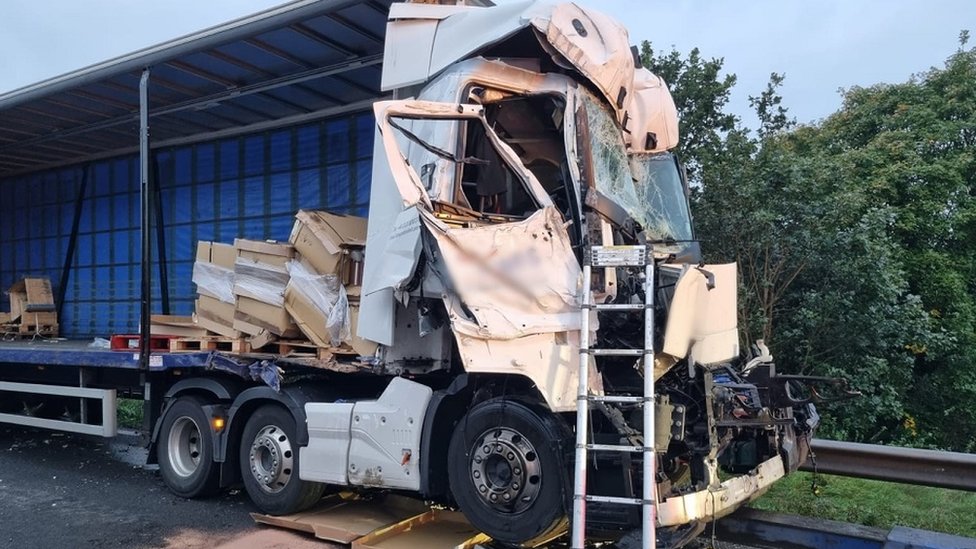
<point>721,500</point>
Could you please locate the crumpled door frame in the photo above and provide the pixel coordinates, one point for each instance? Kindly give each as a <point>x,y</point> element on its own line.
<point>538,342</point>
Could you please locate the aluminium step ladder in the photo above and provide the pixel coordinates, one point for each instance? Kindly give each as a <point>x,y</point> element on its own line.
<point>613,257</point>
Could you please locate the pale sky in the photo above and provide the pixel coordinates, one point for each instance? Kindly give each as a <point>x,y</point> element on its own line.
<point>820,46</point>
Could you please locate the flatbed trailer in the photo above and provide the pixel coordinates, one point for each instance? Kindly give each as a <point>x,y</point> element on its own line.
<point>86,381</point>
<point>74,387</point>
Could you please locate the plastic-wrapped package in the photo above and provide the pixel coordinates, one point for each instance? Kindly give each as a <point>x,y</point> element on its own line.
<point>260,281</point>
<point>326,295</point>
<point>214,281</point>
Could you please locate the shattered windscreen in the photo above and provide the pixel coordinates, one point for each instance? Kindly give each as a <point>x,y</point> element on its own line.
<point>661,191</point>
<point>647,187</point>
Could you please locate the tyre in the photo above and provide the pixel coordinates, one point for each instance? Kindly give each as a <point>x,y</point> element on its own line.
<point>184,450</point>
<point>506,473</point>
<point>269,463</point>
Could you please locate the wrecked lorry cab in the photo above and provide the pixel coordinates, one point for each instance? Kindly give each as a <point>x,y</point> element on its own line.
<point>521,139</point>
<point>524,135</point>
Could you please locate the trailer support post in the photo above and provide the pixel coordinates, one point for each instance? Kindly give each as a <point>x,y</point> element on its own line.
<point>145,222</point>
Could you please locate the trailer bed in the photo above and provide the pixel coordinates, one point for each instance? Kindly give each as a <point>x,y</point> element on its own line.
<point>79,353</point>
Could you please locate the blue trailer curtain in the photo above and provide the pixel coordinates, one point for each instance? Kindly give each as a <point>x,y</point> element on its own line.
<point>242,187</point>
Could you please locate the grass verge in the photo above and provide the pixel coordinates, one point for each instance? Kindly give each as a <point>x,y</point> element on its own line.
<point>130,413</point>
<point>873,503</point>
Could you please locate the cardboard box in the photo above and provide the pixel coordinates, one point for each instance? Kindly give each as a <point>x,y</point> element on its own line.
<point>309,318</point>
<point>213,272</point>
<point>217,253</point>
<point>214,309</point>
<point>216,316</point>
<point>312,322</point>
<point>38,319</point>
<point>435,528</point>
<point>217,327</point>
<point>345,520</point>
<point>269,252</point>
<point>260,277</point>
<point>254,313</point>
<point>223,255</point>
<point>31,295</point>
<point>260,281</point>
<point>363,347</point>
<point>251,330</point>
<point>320,237</point>
<point>261,339</point>
<point>183,326</point>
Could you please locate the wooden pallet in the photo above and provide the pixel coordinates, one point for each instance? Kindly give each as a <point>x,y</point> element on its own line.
<point>293,348</point>
<point>47,330</point>
<point>11,332</point>
<point>130,342</point>
<point>286,347</point>
<point>200,344</point>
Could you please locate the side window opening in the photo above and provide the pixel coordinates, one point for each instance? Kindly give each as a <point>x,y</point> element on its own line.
<point>488,183</point>
<point>533,127</point>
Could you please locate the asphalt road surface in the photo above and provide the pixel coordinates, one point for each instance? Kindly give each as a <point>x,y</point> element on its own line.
<point>69,491</point>
<point>65,491</point>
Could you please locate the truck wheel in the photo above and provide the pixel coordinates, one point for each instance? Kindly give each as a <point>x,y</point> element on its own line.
<point>505,473</point>
<point>269,463</point>
<point>185,450</point>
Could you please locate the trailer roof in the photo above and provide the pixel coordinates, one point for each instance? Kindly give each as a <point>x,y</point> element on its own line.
<point>300,61</point>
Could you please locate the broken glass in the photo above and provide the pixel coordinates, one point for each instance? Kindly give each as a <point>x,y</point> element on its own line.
<point>647,187</point>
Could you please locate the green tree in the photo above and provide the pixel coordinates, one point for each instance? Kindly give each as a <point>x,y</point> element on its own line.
<point>855,238</point>
<point>701,94</point>
<point>910,148</point>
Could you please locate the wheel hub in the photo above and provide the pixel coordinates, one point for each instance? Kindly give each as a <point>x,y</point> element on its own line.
<point>271,459</point>
<point>183,446</point>
<point>505,469</point>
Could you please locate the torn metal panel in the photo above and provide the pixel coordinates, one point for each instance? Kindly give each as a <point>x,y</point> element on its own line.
<point>452,33</point>
<point>377,305</point>
<point>596,45</point>
<point>517,279</point>
<point>653,125</point>
<point>398,255</point>
<point>702,323</point>
<point>718,502</point>
<point>550,360</point>
<point>484,82</point>
<point>580,39</point>
<point>501,74</point>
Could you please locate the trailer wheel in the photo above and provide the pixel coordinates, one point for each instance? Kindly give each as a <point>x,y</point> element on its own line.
<point>505,472</point>
<point>185,450</point>
<point>269,463</point>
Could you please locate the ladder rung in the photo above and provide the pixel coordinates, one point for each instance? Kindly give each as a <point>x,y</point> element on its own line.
<point>615,499</point>
<point>617,306</point>
<point>616,448</point>
<point>615,352</point>
<point>617,398</point>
